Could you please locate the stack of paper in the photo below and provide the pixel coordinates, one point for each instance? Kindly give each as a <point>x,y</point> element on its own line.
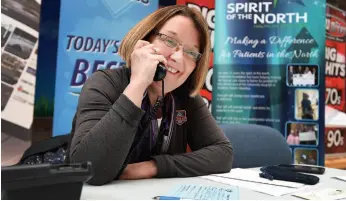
<point>250,179</point>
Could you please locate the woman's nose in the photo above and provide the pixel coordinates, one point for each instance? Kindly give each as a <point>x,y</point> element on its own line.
<point>177,54</point>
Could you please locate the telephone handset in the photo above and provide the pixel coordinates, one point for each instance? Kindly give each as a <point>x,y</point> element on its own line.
<point>160,72</point>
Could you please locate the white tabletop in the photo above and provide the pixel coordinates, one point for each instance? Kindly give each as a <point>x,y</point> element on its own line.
<point>149,188</point>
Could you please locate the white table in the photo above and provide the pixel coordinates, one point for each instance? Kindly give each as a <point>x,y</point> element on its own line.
<point>149,188</point>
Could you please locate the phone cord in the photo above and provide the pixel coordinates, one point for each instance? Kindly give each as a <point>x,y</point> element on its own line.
<point>164,104</point>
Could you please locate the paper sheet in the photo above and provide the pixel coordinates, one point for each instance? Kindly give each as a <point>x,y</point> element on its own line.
<point>253,176</point>
<point>323,194</point>
<point>202,192</point>
<point>259,187</point>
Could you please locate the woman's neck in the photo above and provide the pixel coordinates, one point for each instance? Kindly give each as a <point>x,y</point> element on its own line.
<point>153,94</point>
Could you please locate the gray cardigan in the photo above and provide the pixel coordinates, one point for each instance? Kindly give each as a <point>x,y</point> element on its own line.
<point>106,122</point>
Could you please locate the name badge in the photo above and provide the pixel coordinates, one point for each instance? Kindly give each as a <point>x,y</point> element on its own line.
<point>181,117</point>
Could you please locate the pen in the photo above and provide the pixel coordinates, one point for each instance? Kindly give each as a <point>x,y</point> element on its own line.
<point>168,198</point>
<point>266,176</point>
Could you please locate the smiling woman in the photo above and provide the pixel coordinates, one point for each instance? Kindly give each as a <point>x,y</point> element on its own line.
<point>119,125</point>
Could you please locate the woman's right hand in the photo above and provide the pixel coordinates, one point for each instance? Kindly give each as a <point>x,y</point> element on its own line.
<point>144,60</point>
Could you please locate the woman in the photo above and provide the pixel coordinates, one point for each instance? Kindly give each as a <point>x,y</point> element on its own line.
<point>120,125</point>
<point>293,137</point>
<point>307,70</point>
<point>290,75</point>
<point>307,111</point>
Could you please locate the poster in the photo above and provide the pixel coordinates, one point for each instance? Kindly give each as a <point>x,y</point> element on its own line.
<point>269,70</point>
<point>89,40</point>
<point>207,8</point>
<point>19,42</point>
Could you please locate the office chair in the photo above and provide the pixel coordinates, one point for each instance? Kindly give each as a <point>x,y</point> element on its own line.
<point>257,146</point>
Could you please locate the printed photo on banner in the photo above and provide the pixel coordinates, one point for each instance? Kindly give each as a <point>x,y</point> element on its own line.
<point>6,92</point>
<point>11,68</point>
<point>306,104</point>
<point>302,75</point>
<point>21,44</point>
<point>306,156</point>
<point>302,133</point>
<point>6,30</point>
<point>31,71</point>
<point>25,11</point>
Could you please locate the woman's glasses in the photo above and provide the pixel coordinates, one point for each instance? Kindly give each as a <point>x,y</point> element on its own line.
<point>172,43</point>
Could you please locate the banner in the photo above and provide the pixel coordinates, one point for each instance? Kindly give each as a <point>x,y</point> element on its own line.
<point>335,79</point>
<point>207,8</point>
<point>335,58</point>
<point>19,41</point>
<point>269,70</point>
<point>90,33</point>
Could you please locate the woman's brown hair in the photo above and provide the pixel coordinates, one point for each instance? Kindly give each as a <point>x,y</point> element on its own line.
<point>155,21</point>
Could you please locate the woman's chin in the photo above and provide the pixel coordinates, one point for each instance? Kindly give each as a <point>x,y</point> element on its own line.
<point>168,81</point>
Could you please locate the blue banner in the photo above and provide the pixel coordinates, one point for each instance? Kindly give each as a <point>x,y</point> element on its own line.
<point>90,33</point>
<point>269,70</point>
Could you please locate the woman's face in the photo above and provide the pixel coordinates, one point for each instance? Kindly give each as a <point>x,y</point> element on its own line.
<point>180,60</point>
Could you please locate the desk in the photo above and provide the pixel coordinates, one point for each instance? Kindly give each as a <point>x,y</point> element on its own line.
<point>149,188</point>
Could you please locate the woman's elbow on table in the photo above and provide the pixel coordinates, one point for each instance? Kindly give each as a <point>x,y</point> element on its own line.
<point>227,158</point>
<point>99,173</point>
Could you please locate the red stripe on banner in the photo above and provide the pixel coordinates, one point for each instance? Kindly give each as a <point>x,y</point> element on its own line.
<point>206,3</point>
<point>206,94</point>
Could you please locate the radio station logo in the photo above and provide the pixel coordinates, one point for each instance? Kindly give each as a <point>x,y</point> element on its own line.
<point>336,27</point>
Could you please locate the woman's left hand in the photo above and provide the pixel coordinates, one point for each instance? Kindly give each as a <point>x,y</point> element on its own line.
<point>142,170</point>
